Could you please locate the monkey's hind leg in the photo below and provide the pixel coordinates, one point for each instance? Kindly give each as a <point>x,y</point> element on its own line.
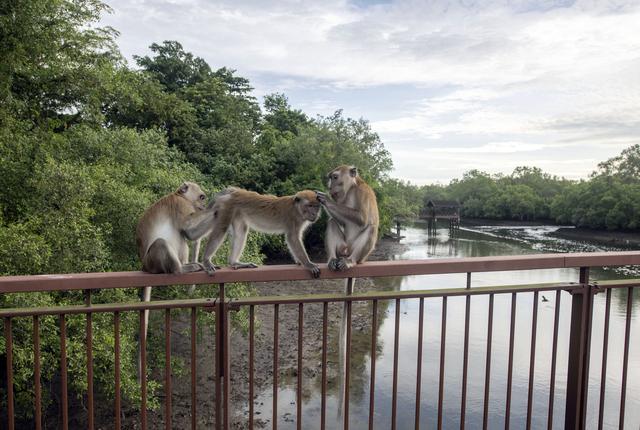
<point>361,248</point>
<point>239,232</point>
<point>161,258</point>
<point>215,240</point>
<point>335,244</point>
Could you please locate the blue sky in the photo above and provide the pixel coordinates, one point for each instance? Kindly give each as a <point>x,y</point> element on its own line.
<point>448,85</point>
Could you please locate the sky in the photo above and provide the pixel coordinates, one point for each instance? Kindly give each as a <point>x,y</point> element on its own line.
<point>449,86</point>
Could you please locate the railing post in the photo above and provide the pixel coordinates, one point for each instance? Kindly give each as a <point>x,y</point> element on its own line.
<point>578,363</point>
<point>221,404</point>
<point>343,356</point>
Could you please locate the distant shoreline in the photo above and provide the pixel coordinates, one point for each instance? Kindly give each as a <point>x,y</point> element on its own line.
<point>607,237</point>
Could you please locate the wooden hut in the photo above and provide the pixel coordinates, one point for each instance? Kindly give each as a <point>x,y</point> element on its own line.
<point>448,210</point>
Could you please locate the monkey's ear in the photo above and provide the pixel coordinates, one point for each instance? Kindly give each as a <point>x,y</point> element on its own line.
<point>353,172</point>
<point>183,188</point>
<point>296,199</point>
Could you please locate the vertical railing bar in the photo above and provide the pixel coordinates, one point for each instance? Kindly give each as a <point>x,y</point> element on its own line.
<point>554,354</point>
<point>347,367</point>
<point>510,368</point>
<point>578,365</point>
<point>605,347</point>
<point>487,375</point>
<point>36,372</point>
<point>116,368</point>
<point>219,352</point>
<point>8,336</point>
<point>64,406</point>
<point>217,365</point>
<point>588,318</point>
<point>345,350</point>
<point>419,360</point>
<point>194,316</point>
<point>532,359</point>
<point>143,371</point>
<point>465,359</point>
<point>625,360</point>
<point>396,342</point>
<point>167,369</point>
<point>372,383</point>
<point>275,367</point>
<point>89,340</point>
<point>226,334</point>
<point>443,335</point>
<point>299,382</point>
<point>323,401</point>
<point>251,359</point>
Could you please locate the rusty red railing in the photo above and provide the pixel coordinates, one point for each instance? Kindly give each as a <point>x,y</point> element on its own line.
<point>582,292</point>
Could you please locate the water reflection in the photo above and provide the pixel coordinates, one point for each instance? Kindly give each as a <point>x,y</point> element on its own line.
<point>483,241</point>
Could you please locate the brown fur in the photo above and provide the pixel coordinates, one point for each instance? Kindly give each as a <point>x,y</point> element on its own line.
<point>237,210</point>
<point>352,230</point>
<point>169,222</point>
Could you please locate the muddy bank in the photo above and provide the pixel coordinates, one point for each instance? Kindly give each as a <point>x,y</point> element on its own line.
<point>475,222</point>
<point>630,239</point>
<point>626,239</point>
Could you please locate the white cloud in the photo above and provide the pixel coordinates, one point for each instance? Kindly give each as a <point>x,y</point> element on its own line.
<point>548,74</point>
<point>492,148</point>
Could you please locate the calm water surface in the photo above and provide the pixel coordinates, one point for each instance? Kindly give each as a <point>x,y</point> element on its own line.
<point>480,241</point>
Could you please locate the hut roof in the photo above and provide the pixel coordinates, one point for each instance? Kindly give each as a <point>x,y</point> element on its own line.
<point>443,203</point>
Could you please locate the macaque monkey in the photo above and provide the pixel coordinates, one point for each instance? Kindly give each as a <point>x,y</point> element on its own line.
<point>166,227</point>
<point>164,230</point>
<point>236,210</point>
<point>352,228</point>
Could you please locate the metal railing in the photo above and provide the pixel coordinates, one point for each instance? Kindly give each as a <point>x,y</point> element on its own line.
<point>580,348</point>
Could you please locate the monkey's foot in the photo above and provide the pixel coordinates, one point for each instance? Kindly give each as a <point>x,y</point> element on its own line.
<point>241,265</point>
<point>192,267</point>
<point>339,264</point>
<point>210,268</point>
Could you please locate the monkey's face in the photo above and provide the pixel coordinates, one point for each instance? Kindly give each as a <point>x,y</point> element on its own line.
<point>308,205</point>
<point>341,179</point>
<point>192,192</point>
<point>311,211</point>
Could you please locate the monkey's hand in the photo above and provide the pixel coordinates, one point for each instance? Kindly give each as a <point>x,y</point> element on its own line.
<point>322,197</point>
<point>315,270</point>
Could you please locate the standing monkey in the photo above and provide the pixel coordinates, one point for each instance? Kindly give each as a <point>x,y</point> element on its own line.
<point>236,210</point>
<point>352,228</point>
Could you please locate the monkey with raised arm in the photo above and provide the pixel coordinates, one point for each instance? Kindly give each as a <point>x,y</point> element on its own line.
<point>236,211</point>
<point>164,232</point>
<point>167,226</point>
<point>352,229</point>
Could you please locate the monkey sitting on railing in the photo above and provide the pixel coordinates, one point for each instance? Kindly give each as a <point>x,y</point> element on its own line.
<point>352,230</point>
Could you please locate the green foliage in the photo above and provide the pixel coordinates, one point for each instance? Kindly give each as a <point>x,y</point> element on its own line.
<point>87,143</point>
<point>609,199</point>
<point>53,61</point>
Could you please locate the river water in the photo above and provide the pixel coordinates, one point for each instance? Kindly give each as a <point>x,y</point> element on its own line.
<point>475,242</point>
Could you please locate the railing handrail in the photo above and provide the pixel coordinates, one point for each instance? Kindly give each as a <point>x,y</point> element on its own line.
<point>373,269</point>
